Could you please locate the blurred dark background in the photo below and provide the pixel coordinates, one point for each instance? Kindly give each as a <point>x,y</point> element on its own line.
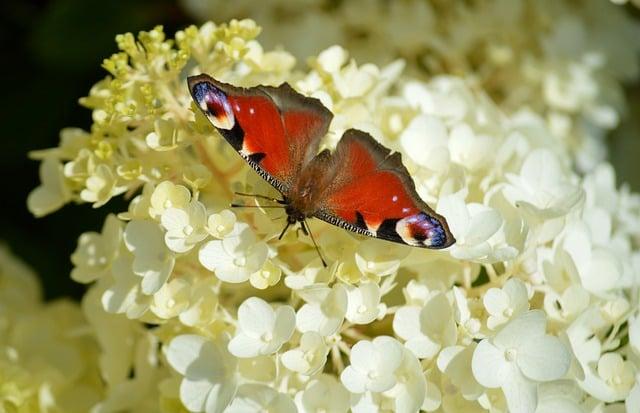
<point>53,54</point>
<point>54,51</point>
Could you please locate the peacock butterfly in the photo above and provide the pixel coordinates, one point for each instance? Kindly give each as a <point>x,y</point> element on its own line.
<point>361,186</point>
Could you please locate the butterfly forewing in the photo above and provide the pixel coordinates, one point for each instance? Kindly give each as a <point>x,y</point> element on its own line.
<point>275,129</point>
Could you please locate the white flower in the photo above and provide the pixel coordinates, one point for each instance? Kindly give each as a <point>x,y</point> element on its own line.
<point>455,363</point>
<point>168,195</point>
<point>542,188</point>
<point>425,143</point>
<point>125,294</point>
<point>152,260</point>
<point>478,230</point>
<point>209,383</point>
<point>560,396</point>
<point>471,150</point>
<point>261,329</point>
<point>267,276</point>
<point>221,224</point>
<point>197,176</point>
<point>567,298</point>
<point>309,357</point>
<point>101,185</point>
<point>260,398</point>
<point>380,258</point>
<point>411,386</point>
<point>95,252</point>
<point>185,226</point>
<point>373,364</point>
<point>165,136</point>
<point>520,355</point>
<point>261,368</point>
<point>469,326</point>
<point>363,302</point>
<point>171,299</point>
<point>632,403</point>
<point>203,304</point>
<point>598,267</point>
<point>323,393</point>
<point>618,374</point>
<point>324,311</point>
<point>236,257</point>
<point>309,275</point>
<point>505,303</point>
<point>52,193</point>
<point>427,329</point>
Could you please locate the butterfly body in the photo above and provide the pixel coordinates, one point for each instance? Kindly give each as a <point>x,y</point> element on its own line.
<point>360,186</point>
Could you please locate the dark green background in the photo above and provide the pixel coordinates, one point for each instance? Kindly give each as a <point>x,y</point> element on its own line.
<point>53,54</point>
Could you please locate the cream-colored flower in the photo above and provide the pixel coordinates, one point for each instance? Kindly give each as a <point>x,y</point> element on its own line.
<point>236,257</point>
<point>185,226</point>
<point>53,191</point>
<point>101,185</point>
<point>95,252</point>
<point>221,224</point>
<point>168,195</point>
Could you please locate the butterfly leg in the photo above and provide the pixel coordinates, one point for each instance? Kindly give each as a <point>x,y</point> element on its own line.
<point>284,230</point>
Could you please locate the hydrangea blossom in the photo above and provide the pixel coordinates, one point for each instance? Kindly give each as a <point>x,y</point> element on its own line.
<point>193,306</point>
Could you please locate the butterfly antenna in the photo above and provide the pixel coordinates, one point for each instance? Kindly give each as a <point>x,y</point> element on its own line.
<point>268,198</point>
<point>307,230</point>
<point>255,206</point>
<point>286,227</point>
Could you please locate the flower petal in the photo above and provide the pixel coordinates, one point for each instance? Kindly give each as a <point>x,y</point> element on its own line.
<point>520,392</point>
<point>543,359</point>
<point>244,346</point>
<point>522,329</point>
<point>488,364</point>
<point>256,317</point>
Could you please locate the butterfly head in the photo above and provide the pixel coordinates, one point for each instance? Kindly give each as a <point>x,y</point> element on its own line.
<point>213,102</point>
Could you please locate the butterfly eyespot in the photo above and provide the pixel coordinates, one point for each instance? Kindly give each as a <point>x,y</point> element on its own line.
<point>215,104</point>
<point>422,230</point>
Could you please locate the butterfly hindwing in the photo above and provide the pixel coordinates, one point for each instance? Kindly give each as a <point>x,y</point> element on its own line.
<point>276,129</point>
<point>373,194</point>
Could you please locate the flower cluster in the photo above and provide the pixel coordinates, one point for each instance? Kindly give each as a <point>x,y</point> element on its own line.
<point>49,359</point>
<point>566,59</point>
<point>194,306</point>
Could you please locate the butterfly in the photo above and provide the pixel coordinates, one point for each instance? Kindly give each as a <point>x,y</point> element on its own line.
<point>361,186</point>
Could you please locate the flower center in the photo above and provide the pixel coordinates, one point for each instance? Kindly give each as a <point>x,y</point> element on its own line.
<point>171,302</point>
<point>510,354</point>
<point>187,230</point>
<point>220,228</point>
<point>370,265</point>
<point>362,309</point>
<point>168,203</point>
<point>508,312</point>
<point>309,356</point>
<point>372,374</point>
<point>240,261</point>
<point>266,337</point>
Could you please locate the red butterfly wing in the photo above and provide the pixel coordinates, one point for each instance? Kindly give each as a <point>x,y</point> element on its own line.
<point>373,194</point>
<point>275,129</point>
